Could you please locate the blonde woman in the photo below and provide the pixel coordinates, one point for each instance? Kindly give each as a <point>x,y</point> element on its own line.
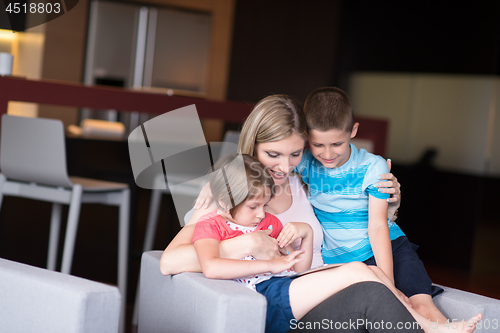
<point>275,133</point>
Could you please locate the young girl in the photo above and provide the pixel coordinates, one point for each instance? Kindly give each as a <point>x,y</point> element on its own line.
<point>241,188</point>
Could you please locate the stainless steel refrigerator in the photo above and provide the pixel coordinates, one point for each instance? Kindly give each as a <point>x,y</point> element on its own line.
<point>134,46</point>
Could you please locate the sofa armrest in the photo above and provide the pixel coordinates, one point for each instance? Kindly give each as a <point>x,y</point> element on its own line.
<point>462,305</point>
<point>189,302</point>
<point>34,299</point>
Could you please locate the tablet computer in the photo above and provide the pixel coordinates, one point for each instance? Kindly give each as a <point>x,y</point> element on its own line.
<point>314,270</point>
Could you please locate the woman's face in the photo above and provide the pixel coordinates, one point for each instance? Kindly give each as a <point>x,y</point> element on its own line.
<point>280,157</point>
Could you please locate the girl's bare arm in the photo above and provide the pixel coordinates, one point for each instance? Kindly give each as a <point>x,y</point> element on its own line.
<point>306,245</point>
<point>292,231</point>
<point>180,255</point>
<point>214,267</point>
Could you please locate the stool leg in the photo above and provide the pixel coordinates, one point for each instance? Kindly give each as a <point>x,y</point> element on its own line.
<point>123,253</point>
<point>154,209</point>
<point>71,229</point>
<point>2,180</point>
<point>55,227</point>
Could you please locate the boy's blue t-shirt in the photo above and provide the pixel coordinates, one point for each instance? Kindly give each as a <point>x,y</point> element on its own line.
<point>340,200</point>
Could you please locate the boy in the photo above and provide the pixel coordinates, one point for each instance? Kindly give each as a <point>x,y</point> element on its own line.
<point>352,212</point>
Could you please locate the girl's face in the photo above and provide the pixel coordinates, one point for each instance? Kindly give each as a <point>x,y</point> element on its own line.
<point>280,157</point>
<point>253,210</point>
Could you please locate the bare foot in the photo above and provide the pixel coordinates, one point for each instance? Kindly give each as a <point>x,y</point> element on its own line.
<point>470,325</point>
<point>454,327</point>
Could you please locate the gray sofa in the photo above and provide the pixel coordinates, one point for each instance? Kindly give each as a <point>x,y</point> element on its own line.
<point>189,302</point>
<point>33,299</point>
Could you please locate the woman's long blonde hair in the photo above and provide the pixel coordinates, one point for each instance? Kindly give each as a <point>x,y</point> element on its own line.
<point>274,118</point>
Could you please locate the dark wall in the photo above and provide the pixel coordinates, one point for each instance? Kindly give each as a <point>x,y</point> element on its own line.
<point>437,36</point>
<point>295,46</point>
<point>283,47</point>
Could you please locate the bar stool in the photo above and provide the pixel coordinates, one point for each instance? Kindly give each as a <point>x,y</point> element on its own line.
<point>33,164</point>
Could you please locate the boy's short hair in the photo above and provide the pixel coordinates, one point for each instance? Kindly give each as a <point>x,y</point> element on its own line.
<point>329,108</point>
<point>237,178</point>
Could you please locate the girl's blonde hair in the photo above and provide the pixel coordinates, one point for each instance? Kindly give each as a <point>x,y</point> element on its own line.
<point>238,178</point>
<point>274,118</point>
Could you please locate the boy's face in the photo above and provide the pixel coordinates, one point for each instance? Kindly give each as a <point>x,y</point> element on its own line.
<point>331,148</point>
<point>253,210</point>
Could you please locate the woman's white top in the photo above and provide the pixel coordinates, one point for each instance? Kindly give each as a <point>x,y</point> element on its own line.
<point>302,211</point>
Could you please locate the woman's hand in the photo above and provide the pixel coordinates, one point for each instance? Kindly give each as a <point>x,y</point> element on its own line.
<point>391,186</point>
<point>205,198</point>
<point>283,263</point>
<point>260,245</point>
<point>293,230</point>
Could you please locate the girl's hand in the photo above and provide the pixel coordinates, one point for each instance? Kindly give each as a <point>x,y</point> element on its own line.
<point>205,198</point>
<point>391,186</point>
<point>293,230</point>
<point>260,245</point>
<point>283,263</point>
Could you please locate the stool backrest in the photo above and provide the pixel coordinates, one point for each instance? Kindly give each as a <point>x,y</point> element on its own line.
<point>33,150</point>
<point>231,138</point>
